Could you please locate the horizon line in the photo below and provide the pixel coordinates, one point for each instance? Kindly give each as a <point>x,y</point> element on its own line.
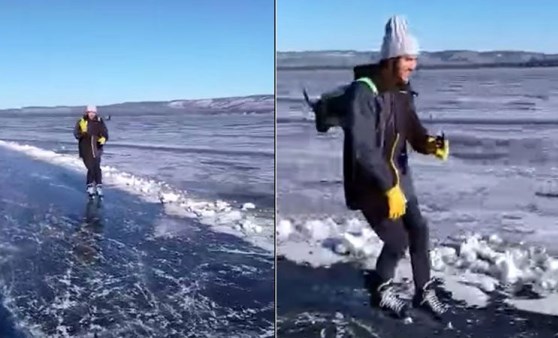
<point>129,102</point>
<point>425,51</point>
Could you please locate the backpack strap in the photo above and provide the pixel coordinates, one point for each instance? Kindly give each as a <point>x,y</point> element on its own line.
<point>369,83</point>
<point>380,118</point>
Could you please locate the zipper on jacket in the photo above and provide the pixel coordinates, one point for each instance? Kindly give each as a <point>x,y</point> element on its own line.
<point>390,120</point>
<point>92,149</point>
<point>391,158</point>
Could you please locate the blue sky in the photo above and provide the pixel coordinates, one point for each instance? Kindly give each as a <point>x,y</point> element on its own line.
<point>69,52</point>
<point>438,24</point>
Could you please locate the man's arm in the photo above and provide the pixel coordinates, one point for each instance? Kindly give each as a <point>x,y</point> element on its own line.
<point>364,129</point>
<point>104,130</point>
<point>103,134</point>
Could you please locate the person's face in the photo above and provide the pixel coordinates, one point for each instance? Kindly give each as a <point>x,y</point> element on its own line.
<point>405,66</point>
<point>91,114</point>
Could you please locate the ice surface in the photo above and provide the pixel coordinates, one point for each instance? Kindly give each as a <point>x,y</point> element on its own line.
<point>548,305</point>
<point>220,215</point>
<point>126,269</point>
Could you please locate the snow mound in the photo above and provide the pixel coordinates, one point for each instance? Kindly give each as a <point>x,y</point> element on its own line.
<point>510,264</point>
<point>471,265</point>
<point>220,215</point>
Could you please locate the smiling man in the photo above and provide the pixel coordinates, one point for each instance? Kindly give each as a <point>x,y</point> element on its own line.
<point>381,119</point>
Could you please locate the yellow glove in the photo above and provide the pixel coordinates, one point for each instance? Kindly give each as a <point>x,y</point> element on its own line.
<point>397,202</point>
<point>83,126</point>
<point>441,151</point>
<point>102,140</point>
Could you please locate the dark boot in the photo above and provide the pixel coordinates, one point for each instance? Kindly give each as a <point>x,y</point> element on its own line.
<point>386,298</point>
<point>99,190</point>
<point>91,190</point>
<point>427,300</point>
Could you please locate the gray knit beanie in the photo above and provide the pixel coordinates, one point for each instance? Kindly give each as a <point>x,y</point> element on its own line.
<point>397,40</point>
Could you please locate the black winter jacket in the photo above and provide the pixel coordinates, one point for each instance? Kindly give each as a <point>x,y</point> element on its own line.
<point>89,146</point>
<point>377,129</point>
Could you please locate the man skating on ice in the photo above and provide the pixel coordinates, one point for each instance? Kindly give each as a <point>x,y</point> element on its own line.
<point>381,120</point>
<point>92,134</point>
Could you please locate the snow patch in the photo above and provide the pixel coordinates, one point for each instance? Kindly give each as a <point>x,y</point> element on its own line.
<point>248,206</point>
<point>472,266</point>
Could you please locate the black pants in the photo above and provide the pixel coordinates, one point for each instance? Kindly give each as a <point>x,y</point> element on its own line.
<point>409,231</point>
<point>93,165</point>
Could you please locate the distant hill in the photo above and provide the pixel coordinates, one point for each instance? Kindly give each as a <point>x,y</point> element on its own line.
<point>338,59</point>
<point>255,103</point>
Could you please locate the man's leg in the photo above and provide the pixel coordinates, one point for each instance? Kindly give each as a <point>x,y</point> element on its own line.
<point>419,246</point>
<point>90,164</point>
<point>394,236</point>
<point>419,238</point>
<point>97,173</point>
